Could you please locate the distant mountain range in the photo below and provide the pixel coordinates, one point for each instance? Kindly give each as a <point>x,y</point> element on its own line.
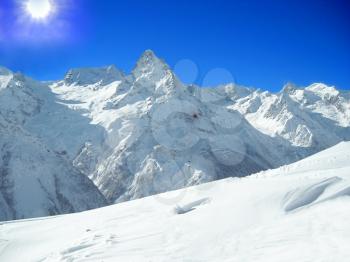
<point>100,136</point>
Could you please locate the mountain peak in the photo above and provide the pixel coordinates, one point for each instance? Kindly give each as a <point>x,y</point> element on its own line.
<point>322,90</point>
<point>148,57</point>
<point>149,63</point>
<point>289,87</point>
<point>87,76</point>
<point>149,54</point>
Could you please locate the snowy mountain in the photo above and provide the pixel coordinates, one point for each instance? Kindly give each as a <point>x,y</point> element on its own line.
<point>35,178</point>
<point>138,134</point>
<point>298,212</point>
<point>315,117</point>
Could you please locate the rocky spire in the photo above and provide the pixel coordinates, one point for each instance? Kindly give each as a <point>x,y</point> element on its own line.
<point>150,65</point>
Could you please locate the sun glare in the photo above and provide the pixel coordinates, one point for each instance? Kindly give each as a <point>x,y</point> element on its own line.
<point>39,9</point>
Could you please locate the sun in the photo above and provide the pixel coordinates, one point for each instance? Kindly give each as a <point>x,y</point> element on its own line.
<point>39,9</point>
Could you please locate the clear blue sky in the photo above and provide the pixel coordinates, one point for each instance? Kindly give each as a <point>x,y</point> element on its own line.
<point>262,43</point>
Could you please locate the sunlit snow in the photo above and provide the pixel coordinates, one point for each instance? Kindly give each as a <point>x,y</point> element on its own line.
<point>298,212</point>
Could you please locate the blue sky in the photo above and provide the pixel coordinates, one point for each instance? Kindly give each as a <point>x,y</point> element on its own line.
<point>261,43</point>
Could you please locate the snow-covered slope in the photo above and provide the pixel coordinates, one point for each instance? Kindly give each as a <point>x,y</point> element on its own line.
<point>298,212</point>
<point>143,133</point>
<point>35,179</point>
<point>317,116</point>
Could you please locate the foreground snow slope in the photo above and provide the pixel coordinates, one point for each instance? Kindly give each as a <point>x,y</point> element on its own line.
<point>298,212</point>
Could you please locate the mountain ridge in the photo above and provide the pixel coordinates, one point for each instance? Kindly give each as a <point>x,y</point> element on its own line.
<point>146,132</point>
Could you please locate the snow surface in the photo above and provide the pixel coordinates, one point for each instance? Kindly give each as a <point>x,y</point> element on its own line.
<point>299,212</point>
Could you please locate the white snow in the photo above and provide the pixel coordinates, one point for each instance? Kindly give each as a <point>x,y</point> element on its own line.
<point>37,177</point>
<point>299,212</point>
<point>309,117</point>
